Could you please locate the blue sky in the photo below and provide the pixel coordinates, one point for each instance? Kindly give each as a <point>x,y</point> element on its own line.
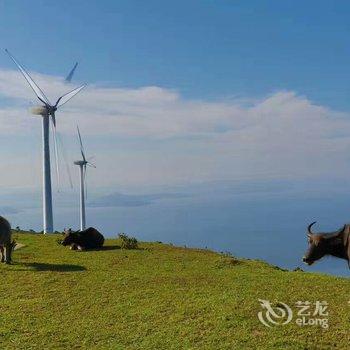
<point>221,88</point>
<point>205,49</point>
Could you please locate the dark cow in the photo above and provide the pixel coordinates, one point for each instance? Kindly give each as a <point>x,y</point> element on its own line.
<point>82,240</point>
<point>333,243</point>
<point>6,244</point>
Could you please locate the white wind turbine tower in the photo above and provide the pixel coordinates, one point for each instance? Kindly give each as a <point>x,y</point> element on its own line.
<point>47,112</point>
<point>82,166</point>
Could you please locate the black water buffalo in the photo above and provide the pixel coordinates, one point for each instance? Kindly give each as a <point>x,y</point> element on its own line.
<point>6,244</point>
<point>82,240</point>
<point>334,243</point>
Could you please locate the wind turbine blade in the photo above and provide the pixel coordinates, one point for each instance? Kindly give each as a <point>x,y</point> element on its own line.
<point>64,156</point>
<point>91,165</point>
<point>81,145</point>
<point>53,119</point>
<point>71,73</point>
<point>69,95</point>
<point>38,92</point>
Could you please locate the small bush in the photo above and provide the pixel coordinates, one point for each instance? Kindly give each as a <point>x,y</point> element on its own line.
<point>223,262</point>
<point>128,242</point>
<point>298,269</point>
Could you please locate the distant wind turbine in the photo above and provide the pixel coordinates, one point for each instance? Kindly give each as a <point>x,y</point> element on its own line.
<point>47,111</point>
<point>82,166</point>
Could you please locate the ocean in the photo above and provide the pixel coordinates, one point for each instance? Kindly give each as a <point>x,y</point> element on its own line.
<point>256,225</point>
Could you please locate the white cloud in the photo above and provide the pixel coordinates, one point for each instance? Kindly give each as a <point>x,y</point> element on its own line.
<point>282,135</point>
<point>148,111</point>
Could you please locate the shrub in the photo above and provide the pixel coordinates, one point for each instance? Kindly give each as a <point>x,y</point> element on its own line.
<point>128,242</point>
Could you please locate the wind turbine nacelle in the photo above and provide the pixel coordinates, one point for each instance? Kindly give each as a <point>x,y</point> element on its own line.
<point>80,162</point>
<point>39,110</point>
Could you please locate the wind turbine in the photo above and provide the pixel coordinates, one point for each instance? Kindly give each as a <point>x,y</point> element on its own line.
<point>82,166</point>
<point>47,112</point>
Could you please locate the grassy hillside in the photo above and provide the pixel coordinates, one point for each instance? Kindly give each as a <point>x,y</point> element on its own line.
<point>157,297</point>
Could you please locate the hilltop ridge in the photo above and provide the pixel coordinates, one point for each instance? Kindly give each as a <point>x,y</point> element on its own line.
<point>156,297</point>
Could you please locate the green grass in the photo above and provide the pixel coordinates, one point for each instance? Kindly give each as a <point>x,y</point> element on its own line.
<point>157,297</point>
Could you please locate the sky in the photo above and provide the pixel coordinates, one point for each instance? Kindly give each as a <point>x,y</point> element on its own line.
<point>200,90</point>
<point>182,96</point>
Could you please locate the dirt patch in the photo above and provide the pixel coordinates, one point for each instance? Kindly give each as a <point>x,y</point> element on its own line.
<point>227,262</point>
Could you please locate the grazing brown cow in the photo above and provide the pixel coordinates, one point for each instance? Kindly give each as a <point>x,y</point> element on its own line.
<point>6,244</point>
<point>334,243</point>
<point>82,240</point>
